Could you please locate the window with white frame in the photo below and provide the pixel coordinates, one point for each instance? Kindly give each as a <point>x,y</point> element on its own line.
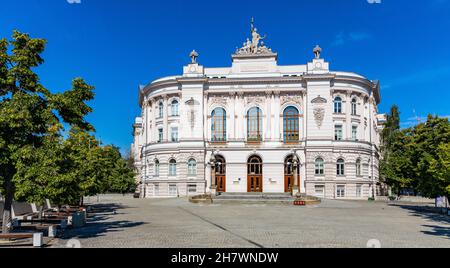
<point>175,108</point>
<point>156,171</point>
<point>358,168</point>
<point>173,191</point>
<point>174,134</point>
<point>161,110</point>
<point>192,188</point>
<point>338,132</point>
<point>340,191</point>
<point>340,167</point>
<point>156,189</point>
<point>319,166</point>
<point>319,190</point>
<point>359,190</point>
<point>172,167</point>
<point>338,105</point>
<point>354,133</point>
<point>192,167</point>
<point>160,135</point>
<point>354,105</point>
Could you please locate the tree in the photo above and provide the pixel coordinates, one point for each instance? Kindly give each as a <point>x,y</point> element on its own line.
<point>430,158</point>
<point>392,160</point>
<point>121,177</point>
<point>29,120</point>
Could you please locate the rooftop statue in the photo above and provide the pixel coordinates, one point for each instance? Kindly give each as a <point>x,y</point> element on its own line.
<point>317,51</point>
<point>193,55</point>
<point>255,46</point>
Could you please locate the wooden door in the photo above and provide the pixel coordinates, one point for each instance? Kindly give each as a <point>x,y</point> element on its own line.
<point>255,184</point>
<point>288,183</point>
<point>221,183</point>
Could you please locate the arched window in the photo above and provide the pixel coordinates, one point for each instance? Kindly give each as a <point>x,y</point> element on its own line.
<point>254,165</point>
<point>340,167</point>
<point>337,105</point>
<point>156,171</point>
<point>291,124</point>
<point>192,167</point>
<point>219,125</point>
<point>172,167</point>
<point>319,166</point>
<point>358,167</point>
<point>175,106</point>
<point>161,110</point>
<point>254,125</point>
<point>353,106</point>
<point>220,166</point>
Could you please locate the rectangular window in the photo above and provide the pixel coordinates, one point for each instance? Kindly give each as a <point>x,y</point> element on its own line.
<point>156,169</point>
<point>340,169</point>
<point>319,190</point>
<point>174,134</point>
<point>355,133</point>
<point>338,132</point>
<point>358,190</point>
<point>173,190</point>
<point>192,188</point>
<point>160,135</point>
<point>340,191</point>
<point>156,189</point>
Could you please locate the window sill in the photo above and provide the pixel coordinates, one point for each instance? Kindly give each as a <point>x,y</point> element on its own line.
<point>219,142</point>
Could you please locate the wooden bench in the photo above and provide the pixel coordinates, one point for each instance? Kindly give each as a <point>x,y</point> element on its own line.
<point>16,236</point>
<point>36,237</point>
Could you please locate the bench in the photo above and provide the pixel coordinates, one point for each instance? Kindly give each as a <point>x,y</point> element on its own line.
<point>16,236</point>
<point>38,238</point>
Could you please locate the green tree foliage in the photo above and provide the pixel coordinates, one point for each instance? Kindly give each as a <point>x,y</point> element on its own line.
<point>418,158</point>
<point>36,161</point>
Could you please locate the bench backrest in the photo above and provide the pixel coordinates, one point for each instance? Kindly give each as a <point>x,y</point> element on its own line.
<point>20,208</point>
<point>1,210</point>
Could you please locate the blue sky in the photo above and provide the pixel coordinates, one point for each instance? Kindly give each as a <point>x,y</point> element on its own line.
<point>118,44</point>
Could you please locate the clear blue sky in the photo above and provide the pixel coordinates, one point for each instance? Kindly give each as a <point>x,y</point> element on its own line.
<point>118,44</point>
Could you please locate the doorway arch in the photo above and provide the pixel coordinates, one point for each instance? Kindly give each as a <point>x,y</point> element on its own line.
<point>254,174</point>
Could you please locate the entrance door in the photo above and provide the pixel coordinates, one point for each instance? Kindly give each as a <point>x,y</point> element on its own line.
<point>255,184</point>
<point>221,178</point>
<point>254,175</point>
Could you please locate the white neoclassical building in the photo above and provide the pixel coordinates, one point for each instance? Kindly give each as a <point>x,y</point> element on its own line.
<point>259,127</point>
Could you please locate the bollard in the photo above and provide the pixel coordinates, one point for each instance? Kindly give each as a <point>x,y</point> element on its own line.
<point>52,231</point>
<point>38,240</point>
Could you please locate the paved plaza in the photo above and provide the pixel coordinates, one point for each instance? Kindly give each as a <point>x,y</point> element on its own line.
<point>176,223</point>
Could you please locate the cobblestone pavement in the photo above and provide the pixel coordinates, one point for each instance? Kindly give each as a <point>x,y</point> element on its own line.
<point>176,223</point>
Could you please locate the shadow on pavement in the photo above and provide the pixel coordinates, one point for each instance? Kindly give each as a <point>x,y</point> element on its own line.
<point>429,213</point>
<point>98,224</point>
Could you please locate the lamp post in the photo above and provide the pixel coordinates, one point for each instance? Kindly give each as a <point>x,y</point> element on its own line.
<point>212,162</point>
<point>295,189</point>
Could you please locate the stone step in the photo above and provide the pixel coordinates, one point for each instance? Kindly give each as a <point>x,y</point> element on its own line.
<point>254,196</point>
<point>255,201</point>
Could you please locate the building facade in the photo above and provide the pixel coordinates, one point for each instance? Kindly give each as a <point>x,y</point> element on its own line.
<point>259,127</point>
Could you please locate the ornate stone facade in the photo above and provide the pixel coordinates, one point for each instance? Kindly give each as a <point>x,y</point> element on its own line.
<point>194,125</point>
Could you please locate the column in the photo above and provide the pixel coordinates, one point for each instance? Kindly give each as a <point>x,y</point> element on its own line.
<point>166,119</point>
<point>277,116</point>
<point>232,116</point>
<point>268,131</point>
<point>206,127</point>
<point>240,123</point>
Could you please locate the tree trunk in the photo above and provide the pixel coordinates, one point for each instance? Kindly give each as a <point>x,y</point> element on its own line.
<point>41,212</point>
<point>7,213</point>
